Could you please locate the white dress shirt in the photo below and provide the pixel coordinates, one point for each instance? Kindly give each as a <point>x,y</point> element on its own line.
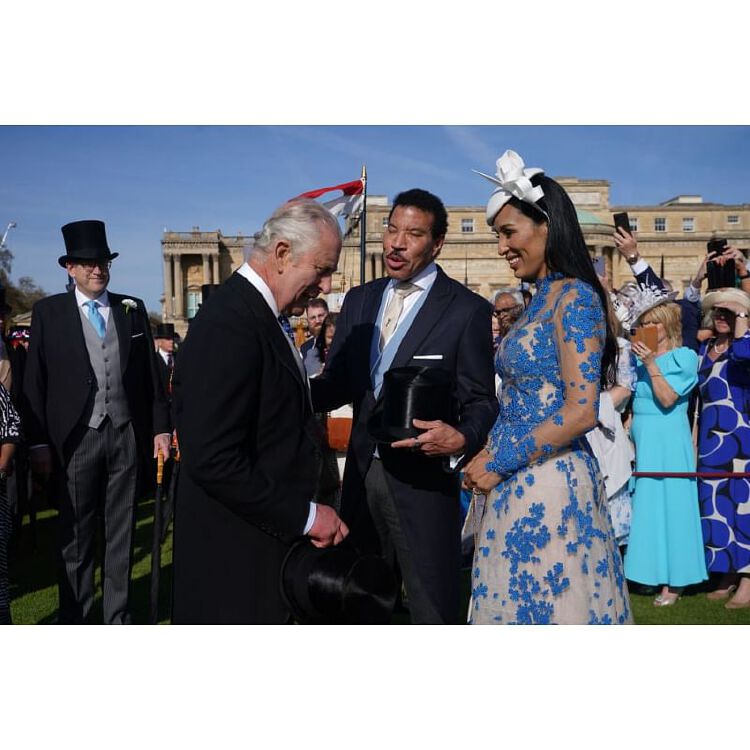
<point>102,304</point>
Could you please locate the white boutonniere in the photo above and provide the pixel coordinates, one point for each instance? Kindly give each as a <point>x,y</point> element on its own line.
<point>129,304</point>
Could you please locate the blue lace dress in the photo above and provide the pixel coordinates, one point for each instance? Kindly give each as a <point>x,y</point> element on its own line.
<point>545,550</point>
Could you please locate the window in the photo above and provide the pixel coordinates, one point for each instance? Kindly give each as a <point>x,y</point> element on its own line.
<point>193,303</point>
<point>688,224</point>
<point>733,219</point>
<point>633,223</point>
<point>660,224</point>
<point>467,226</point>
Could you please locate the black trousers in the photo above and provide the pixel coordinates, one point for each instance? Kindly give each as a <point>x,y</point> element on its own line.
<point>99,483</point>
<point>395,547</point>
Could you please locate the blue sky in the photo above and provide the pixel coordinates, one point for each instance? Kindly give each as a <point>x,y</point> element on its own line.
<point>140,180</point>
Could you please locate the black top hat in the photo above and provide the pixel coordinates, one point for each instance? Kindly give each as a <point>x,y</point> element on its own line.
<point>337,586</point>
<point>411,393</point>
<point>164,331</point>
<point>85,240</point>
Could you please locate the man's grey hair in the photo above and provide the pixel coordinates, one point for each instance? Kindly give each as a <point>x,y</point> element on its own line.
<point>298,222</point>
<point>517,296</point>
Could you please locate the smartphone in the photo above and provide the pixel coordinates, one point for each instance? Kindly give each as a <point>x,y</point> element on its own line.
<point>719,276</point>
<point>645,335</point>
<point>622,221</point>
<point>599,265</point>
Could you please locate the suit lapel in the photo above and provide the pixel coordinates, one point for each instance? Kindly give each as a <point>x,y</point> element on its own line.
<point>122,325</point>
<point>73,322</point>
<point>431,314</point>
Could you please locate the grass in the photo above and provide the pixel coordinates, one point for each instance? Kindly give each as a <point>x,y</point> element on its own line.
<point>34,588</point>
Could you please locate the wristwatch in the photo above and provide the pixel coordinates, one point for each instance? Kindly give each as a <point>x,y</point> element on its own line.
<point>632,259</point>
<point>741,315</point>
<point>742,278</point>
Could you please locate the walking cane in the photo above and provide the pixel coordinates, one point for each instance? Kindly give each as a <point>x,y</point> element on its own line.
<point>156,542</point>
<point>167,511</point>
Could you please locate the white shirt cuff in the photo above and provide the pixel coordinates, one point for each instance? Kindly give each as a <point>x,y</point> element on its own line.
<point>453,461</point>
<point>639,266</point>
<point>692,294</point>
<point>310,518</point>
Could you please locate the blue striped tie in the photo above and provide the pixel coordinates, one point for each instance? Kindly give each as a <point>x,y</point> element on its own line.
<point>287,326</point>
<point>95,317</point>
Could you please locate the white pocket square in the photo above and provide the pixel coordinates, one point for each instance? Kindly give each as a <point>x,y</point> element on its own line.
<point>136,335</point>
<point>427,356</point>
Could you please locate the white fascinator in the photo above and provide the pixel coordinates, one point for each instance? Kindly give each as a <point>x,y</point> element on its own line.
<point>513,181</point>
<point>638,299</point>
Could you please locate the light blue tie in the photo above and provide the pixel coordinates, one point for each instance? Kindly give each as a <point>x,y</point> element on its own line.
<point>95,318</point>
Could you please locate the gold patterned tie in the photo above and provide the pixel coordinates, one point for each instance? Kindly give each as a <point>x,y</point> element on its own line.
<point>393,312</point>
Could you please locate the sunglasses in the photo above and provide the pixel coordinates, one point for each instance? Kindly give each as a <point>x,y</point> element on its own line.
<point>505,310</point>
<point>721,313</point>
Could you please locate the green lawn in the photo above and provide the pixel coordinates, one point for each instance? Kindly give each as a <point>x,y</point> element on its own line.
<point>34,592</point>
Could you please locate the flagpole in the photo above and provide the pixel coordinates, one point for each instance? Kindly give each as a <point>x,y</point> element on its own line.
<point>363,228</point>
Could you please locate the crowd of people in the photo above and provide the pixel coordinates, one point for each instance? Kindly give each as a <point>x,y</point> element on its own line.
<point>599,436</point>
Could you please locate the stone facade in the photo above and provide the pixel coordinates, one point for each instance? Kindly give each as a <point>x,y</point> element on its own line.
<point>675,231</point>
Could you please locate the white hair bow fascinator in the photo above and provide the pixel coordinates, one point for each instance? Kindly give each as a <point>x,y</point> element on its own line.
<point>638,299</point>
<point>514,181</point>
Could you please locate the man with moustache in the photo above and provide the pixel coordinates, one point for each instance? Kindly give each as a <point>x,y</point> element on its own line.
<point>249,442</point>
<point>403,499</point>
<point>317,309</point>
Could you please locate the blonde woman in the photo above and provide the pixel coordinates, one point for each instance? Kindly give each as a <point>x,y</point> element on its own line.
<point>666,544</point>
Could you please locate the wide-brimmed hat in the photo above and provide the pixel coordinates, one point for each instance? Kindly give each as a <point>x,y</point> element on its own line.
<point>411,393</point>
<point>633,300</point>
<point>85,241</point>
<point>719,298</point>
<point>164,331</point>
<point>337,585</point>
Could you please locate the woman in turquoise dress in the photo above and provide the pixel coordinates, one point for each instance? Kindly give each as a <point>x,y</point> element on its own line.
<point>545,552</point>
<point>666,541</point>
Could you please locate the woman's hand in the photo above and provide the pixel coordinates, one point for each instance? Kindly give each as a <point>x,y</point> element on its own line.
<point>643,352</point>
<point>476,477</point>
<point>732,253</point>
<point>702,271</point>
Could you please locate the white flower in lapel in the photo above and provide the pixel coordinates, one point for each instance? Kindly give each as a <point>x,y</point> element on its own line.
<point>129,304</point>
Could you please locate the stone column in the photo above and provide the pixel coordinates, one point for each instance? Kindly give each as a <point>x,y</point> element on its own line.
<point>168,302</point>
<point>206,269</point>
<point>179,304</point>
<point>215,259</point>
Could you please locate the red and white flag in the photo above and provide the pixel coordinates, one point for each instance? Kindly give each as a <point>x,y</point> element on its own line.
<point>349,203</point>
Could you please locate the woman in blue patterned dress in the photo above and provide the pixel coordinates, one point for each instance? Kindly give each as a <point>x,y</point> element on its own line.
<point>724,443</point>
<point>545,551</point>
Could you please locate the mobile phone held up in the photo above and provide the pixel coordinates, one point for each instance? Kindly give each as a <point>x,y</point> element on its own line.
<point>719,276</point>
<point>622,221</point>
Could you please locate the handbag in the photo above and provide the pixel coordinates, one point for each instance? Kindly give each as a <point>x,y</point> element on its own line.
<point>338,433</point>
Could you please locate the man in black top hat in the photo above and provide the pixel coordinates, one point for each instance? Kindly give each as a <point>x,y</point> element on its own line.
<point>403,489</point>
<point>96,405</point>
<point>164,343</point>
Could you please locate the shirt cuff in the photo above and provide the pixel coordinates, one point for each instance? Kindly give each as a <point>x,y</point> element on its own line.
<point>310,518</point>
<point>692,294</point>
<point>38,445</point>
<point>453,461</point>
<point>639,266</point>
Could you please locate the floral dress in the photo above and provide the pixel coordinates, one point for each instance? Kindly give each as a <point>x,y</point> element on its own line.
<point>545,550</point>
<point>9,433</point>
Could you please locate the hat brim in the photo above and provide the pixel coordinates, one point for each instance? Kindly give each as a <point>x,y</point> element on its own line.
<point>63,259</point>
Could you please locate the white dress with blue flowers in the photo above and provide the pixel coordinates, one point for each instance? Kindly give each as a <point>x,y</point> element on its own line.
<point>545,551</point>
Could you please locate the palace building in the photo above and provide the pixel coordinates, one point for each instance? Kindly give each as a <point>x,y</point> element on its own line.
<point>671,236</point>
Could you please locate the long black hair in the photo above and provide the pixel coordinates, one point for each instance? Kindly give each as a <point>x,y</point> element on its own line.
<point>566,253</point>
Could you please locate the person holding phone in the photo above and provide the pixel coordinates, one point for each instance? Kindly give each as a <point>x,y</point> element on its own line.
<point>666,544</point>
<point>724,444</point>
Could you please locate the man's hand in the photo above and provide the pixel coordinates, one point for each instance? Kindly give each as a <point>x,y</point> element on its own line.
<point>440,439</point>
<point>40,458</point>
<point>328,529</point>
<point>162,442</point>
<point>626,244</point>
<point>476,477</point>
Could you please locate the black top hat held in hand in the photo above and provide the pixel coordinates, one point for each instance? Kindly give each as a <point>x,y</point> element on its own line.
<point>337,586</point>
<point>411,393</point>
<point>85,241</point>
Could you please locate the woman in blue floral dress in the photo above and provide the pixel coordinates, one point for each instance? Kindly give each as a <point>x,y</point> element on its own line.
<point>545,551</point>
<point>724,444</point>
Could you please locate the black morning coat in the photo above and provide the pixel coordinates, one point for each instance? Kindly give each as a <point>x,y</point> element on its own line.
<point>250,451</point>
<point>59,382</point>
<point>453,324</point>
